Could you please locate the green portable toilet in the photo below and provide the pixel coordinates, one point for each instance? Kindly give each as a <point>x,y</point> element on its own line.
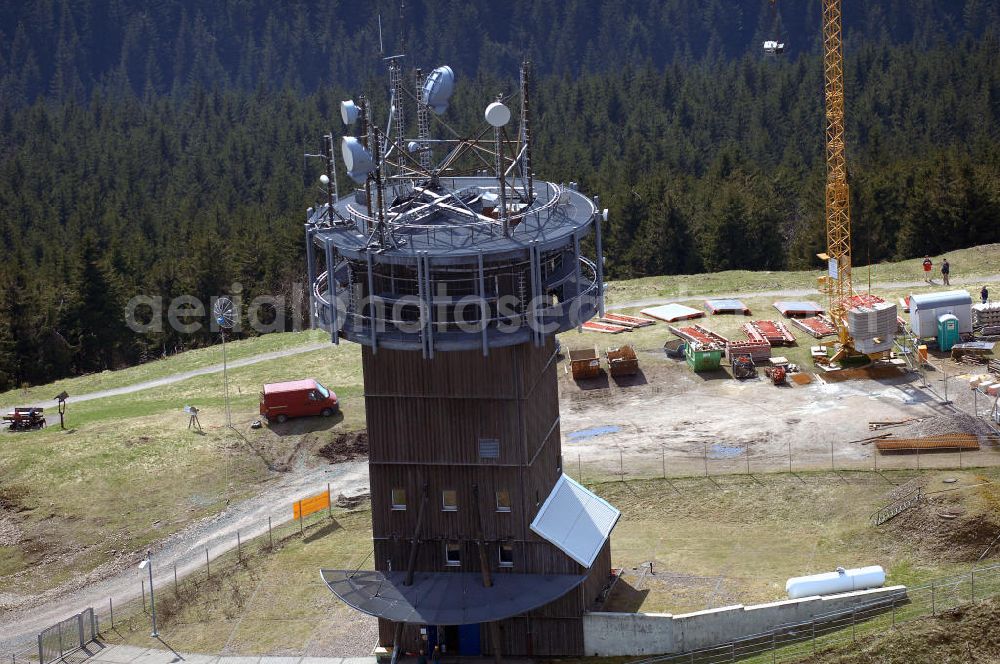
<point>947,335</point>
<point>700,358</point>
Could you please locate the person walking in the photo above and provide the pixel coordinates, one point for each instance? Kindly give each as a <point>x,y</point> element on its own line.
<point>984,294</point>
<point>945,269</point>
<point>927,268</point>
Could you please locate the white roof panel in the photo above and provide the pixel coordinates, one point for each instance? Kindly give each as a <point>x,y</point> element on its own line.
<point>672,312</point>
<point>575,520</point>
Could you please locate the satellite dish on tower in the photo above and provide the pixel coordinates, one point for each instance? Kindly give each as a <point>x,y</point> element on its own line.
<point>224,313</point>
<point>437,89</point>
<point>349,112</point>
<point>497,114</point>
<point>357,159</point>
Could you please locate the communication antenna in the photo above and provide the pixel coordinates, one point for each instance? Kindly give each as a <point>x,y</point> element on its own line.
<point>225,315</point>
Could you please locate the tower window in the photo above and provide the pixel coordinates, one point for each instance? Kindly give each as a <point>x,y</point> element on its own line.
<point>452,554</point>
<point>399,498</point>
<point>506,554</point>
<point>503,500</point>
<point>449,500</point>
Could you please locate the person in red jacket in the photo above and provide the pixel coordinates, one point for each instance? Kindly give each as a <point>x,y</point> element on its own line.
<point>927,268</point>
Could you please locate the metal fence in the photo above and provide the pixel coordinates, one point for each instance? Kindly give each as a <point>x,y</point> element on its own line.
<point>800,641</point>
<point>175,581</point>
<point>66,636</point>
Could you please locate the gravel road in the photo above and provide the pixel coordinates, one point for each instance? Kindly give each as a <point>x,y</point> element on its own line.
<point>186,547</point>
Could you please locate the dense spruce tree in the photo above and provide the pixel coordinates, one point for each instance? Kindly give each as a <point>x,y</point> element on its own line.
<point>156,148</point>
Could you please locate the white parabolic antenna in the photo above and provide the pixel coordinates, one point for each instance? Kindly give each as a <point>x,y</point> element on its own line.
<point>348,112</point>
<point>357,159</point>
<point>497,114</point>
<point>437,89</point>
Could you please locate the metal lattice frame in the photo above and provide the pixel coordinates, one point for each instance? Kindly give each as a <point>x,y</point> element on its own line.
<point>838,210</point>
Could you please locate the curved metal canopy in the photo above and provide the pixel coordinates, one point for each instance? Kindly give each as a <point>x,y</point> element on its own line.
<point>446,598</point>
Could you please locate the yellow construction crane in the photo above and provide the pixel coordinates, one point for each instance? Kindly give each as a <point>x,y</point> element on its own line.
<point>837,282</point>
<point>866,325</point>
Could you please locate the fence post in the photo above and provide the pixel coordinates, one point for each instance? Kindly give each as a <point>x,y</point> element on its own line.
<point>973,578</point>
<point>176,593</point>
<point>239,547</point>
<point>59,627</point>
<point>747,447</point>
<point>79,628</point>
<point>93,625</point>
<point>111,610</point>
<point>663,460</point>
<point>270,537</point>
<point>208,566</point>
<point>143,583</point>
<point>789,455</point>
<point>933,603</point>
<point>705,448</point>
<point>302,530</point>
<point>41,650</point>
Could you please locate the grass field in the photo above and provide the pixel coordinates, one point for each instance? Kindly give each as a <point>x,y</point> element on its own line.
<point>713,542</point>
<point>129,472</point>
<point>179,363</point>
<point>967,264</point>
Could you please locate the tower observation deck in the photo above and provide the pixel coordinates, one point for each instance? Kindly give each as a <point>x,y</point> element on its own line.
<point>455,268</point>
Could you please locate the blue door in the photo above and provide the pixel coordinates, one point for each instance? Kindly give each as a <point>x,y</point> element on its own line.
<point>468,640</point>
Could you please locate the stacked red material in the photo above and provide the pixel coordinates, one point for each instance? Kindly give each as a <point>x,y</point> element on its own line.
<point>627,321</point>
<point>594,326</point>
<point>758,350</point>
<point>815,326</point>
<point>774,331</point>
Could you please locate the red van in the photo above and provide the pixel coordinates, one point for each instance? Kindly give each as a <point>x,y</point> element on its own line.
<point>296,398</point>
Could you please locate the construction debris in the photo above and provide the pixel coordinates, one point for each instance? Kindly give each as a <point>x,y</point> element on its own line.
<point>622,361</point>
<point>743,367</point>
<point>776,374</point>
<point>585,363</point>
<point>986,315</point>
<point>952,441</point>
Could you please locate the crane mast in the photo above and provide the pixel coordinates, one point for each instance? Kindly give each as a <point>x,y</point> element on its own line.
<point>838,203</point>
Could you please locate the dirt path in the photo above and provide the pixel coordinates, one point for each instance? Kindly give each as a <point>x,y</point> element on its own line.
<point>184,375</point>
<point>185,548</point>
<point>792,292</point>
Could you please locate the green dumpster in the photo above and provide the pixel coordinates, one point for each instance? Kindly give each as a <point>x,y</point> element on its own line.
<point>701,358</point>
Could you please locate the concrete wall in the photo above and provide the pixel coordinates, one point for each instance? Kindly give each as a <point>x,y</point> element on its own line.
<point>630,634</point>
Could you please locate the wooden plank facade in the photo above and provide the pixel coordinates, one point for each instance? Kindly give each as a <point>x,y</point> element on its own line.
<point>474,439</point>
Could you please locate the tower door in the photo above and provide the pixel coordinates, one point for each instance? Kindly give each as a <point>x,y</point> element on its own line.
<point>468,640</point>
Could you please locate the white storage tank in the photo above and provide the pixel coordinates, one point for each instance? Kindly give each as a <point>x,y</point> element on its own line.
<point>831,583</point>
<point>926,307</point>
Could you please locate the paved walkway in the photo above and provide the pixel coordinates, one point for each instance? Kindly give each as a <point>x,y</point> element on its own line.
<point>99,653</point>
<point>105,654</point>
